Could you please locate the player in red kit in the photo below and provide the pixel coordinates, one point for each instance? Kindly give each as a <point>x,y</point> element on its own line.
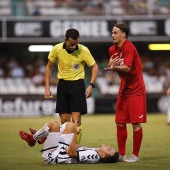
<point>131,101</point>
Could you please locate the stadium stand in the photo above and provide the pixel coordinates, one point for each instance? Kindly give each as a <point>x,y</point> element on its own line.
<point>97,7</point>
<point>83,7</point>
<point>19,78</point>
<point>5,8</point>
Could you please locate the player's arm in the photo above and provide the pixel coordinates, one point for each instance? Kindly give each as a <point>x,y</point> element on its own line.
<point>123,68</point>
<point>47,79</point>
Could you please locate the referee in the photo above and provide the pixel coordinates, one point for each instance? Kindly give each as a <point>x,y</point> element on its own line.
<point>71,58</point>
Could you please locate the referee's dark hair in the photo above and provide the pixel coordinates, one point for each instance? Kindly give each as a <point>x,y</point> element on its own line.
<point>72,33</point>
<point>111,159</point>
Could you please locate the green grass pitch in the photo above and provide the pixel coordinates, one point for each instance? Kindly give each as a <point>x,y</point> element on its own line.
<point>15,154</point>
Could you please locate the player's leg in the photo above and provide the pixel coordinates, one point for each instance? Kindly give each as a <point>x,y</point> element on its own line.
<point>65,140</point>
<point>121,120</point>
<point>52,126</point>
<point>52,131</point>
<point>66,134</point>
<point>137,112</point>
<point>40,141</point>
<point>137,138</point>
<point>68,128</point>
<point>51,143</point>
<point>121,141</point>
<point>31,139</point>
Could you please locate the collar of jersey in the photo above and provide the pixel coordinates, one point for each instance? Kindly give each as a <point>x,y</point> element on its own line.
<point>64,47</point>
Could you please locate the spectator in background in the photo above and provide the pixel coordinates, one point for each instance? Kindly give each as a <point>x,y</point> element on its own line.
<point>2,73</point>
<point>17,71</point>
<point>131,101</point>
<point>33,7</point>
<point>95,7</point>
<point>71,58</point>
<point>168,112</point>
<point>2,66</point>
<point>38,78</point>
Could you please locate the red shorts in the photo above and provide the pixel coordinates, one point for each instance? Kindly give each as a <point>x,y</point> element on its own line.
<point>131,109</point>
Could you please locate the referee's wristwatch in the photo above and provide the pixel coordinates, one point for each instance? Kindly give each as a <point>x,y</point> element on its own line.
<point>92,84</point>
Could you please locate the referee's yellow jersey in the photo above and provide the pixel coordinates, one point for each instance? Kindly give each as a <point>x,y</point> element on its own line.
<point>71,66</point>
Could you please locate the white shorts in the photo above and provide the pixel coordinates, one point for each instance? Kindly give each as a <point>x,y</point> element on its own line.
<point>55,148</point>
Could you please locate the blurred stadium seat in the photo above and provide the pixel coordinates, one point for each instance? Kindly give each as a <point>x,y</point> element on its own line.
<point>5,8</point>
<point>83,7</point>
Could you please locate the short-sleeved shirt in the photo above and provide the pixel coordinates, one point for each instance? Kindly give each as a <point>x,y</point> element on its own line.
<point>132,82</point>
<point>71,65</point>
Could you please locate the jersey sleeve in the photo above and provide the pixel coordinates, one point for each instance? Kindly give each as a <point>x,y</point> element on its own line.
<point>129,53</point>
<point>88,57</point>
<point>88,156</point>
<point>53,54</point>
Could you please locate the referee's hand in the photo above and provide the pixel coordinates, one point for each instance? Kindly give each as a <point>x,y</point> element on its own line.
<point>48,94</point>
<point>89,91</point>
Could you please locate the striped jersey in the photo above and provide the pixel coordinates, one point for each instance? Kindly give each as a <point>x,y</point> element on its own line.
<point>59,155</point>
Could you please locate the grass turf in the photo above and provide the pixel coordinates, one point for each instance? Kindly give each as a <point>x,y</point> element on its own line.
<point>97,129</point>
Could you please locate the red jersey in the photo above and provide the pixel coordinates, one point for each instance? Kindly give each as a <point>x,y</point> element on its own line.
<point>132,82</point>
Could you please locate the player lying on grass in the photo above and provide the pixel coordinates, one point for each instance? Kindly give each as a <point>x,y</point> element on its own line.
<point>60,145</point>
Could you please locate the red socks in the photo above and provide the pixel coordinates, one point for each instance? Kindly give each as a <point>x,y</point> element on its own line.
<point>121,139</point>
<point>137,139</point>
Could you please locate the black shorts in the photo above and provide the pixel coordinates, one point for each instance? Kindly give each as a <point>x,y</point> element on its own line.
<point>71,97</point>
